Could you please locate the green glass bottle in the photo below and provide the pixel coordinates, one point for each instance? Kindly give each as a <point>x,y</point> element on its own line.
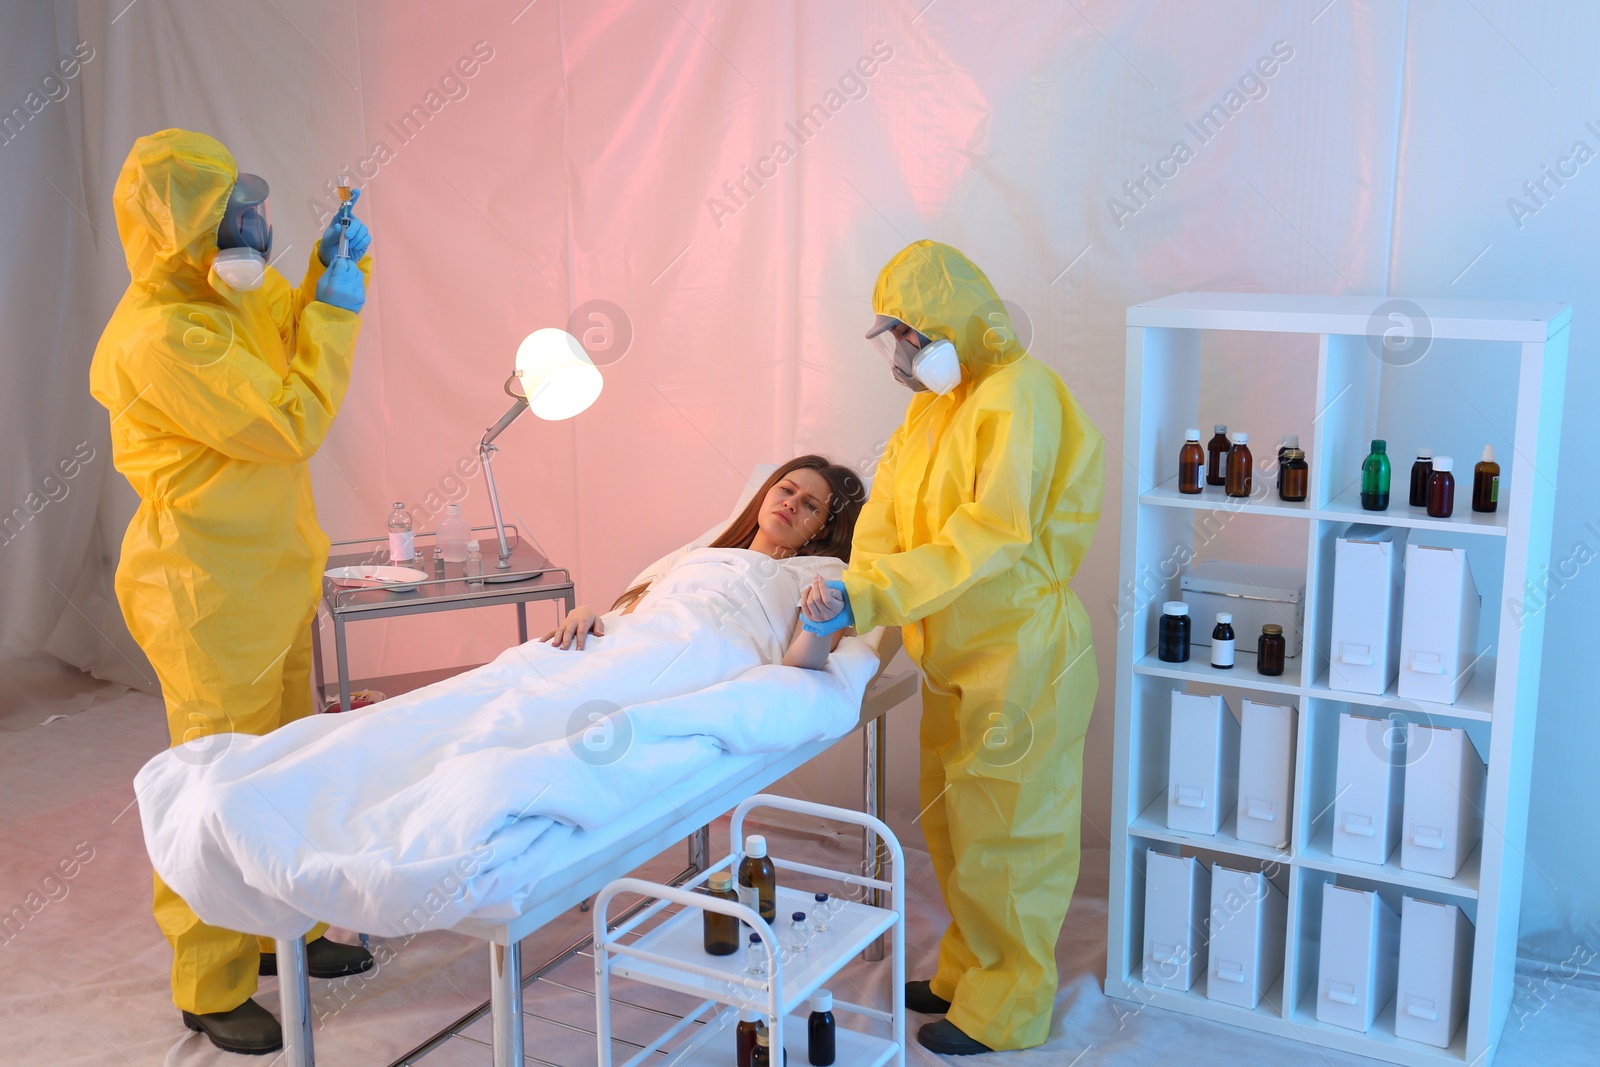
<point>1375,478</point>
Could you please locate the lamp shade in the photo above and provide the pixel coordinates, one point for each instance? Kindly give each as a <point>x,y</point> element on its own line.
<point>558,377</point>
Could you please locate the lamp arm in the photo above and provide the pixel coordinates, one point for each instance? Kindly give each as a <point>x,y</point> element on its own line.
<point>486,450</point>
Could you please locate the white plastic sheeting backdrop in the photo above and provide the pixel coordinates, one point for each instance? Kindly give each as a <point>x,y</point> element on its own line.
<point>706,190</point>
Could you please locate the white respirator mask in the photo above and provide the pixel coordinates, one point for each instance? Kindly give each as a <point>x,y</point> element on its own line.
<point>932,366</point>
<point>241,269</point>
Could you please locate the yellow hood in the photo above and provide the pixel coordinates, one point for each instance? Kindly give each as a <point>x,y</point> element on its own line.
<point>169,200</point>
<point>941,293</point>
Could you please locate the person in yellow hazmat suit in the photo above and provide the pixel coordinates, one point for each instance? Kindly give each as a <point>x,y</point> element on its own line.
<point>981,510</point>
<point>222,381</point>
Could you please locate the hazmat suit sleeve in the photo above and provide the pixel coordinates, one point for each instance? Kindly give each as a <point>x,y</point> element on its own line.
<point>1013,457</point>
<point>288,303</point>
<point>876,533</point>
<point>194,374</point>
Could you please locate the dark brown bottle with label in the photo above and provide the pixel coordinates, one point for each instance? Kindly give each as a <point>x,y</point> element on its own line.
<point>1486,482</point>
<point>758,881</point>
<point>1442,488</point>
<point>1190,461</point>
<point>1294,477</point>
<point>1270,650</point>
<point>721,934</point>
<point>1217,457</point>
<point>1240,466</point>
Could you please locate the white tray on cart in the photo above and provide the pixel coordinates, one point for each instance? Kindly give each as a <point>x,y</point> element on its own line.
<point>673,956</point>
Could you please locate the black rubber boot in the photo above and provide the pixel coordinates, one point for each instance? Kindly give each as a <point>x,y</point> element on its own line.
<point>947,1039</point>
<point>326,959</point>
<point>920,998</point>
<point>249,1028</point>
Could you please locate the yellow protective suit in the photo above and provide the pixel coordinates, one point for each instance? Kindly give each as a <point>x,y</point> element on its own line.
<point>980,513</point>
<point>217,399</point>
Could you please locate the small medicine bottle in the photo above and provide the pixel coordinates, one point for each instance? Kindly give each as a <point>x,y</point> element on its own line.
<point>1375,478</point>
<point>1191,458</point>
<point>1290,440</point>
<point>1442,488</point>
<point>799,933</point>
<point>1293,476</point>
<point>761,1055</point>
<point>744,1040</point>
<point>1217,456</point>
<point>1486,482</point>
<point>821,1032</point>
<point>758,880</point>
<point>1270,650</point>
<point>721,931</point>
<point>1172,634</point>
<point>1222,642</point>
<point>1421,471</point>
<point>820,913</point>
<point>1240,466</point>
<point>755,957</point>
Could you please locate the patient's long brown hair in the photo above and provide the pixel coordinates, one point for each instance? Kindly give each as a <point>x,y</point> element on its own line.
<point>846,494</point>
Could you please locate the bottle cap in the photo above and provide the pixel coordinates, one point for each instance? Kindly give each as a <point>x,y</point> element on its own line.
<point>1424,453</point>
<point>763,1037</point>
<point>1291,440</point>
<point>1293,453</point>
<point>821,898</point>
<point>452,509</point>
<point>1271,628</point>
<point>1488,454</point>
<point>473,546</point>
<point>1443,464</point>
<point>1241,438</point>
<point>1224,616</point>
<point>1220,427</point>
<point>755,846</point>
<point>1379,445</point>
<point>799,916</point>
<point>755,939</point>
<point>822,1000</point>
<point>399,504</point>
<point>748,1015</point>
<point>721,880</point>
<point>1174,607</point>
<point>1191,435</point>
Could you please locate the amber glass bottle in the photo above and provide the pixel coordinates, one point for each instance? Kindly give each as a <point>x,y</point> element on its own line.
<point>1240,466</point>
<point>758,879</point>
<point>1442,488</point>
<point>1421,471</point>
<point>721,933</point>
<point>1486,482</point>
<point>1190,461</point>
<point>1294,477</point>
<point>1217,457</point>
<point>1270,650</point>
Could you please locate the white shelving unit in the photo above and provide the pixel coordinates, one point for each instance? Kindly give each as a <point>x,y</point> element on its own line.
<point>1165,343</point>
<point>672,955</point>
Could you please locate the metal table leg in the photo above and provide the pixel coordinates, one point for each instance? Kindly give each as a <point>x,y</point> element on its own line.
<point>294,996</point>
<point>700,849</point>
<point>316,661</point>
<point>875,762</point>
<point>522,622</point>
<point>342,661</point>
<point>505,1003</point>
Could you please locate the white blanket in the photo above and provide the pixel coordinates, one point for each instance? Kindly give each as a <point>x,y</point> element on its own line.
<point>446,803</point>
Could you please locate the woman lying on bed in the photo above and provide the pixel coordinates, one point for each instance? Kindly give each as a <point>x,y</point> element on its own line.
<point>768,566</point>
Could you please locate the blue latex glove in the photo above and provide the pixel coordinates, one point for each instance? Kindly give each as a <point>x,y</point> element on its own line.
<point>360,236</point>
<point>343,285</point>
<point>845,617</point>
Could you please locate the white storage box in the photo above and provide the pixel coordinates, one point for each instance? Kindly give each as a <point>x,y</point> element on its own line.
<point>1368,793</point>
<point>1177,891</point>
<point>1202,763</point>
<point>1248,918</point>
<point>1360,950</point>
<point>1266,773</point>
<point>1368,587</point>
<point>1439,630</point>
<point>1253,594</point>
<point>1443,812</point>
<point>1435,973</point>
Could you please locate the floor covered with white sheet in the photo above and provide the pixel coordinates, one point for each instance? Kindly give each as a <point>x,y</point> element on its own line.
<point>83,969</point>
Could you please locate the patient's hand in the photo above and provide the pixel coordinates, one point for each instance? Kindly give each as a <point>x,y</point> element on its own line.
<point>819,603</point>
<point>576,627</point>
